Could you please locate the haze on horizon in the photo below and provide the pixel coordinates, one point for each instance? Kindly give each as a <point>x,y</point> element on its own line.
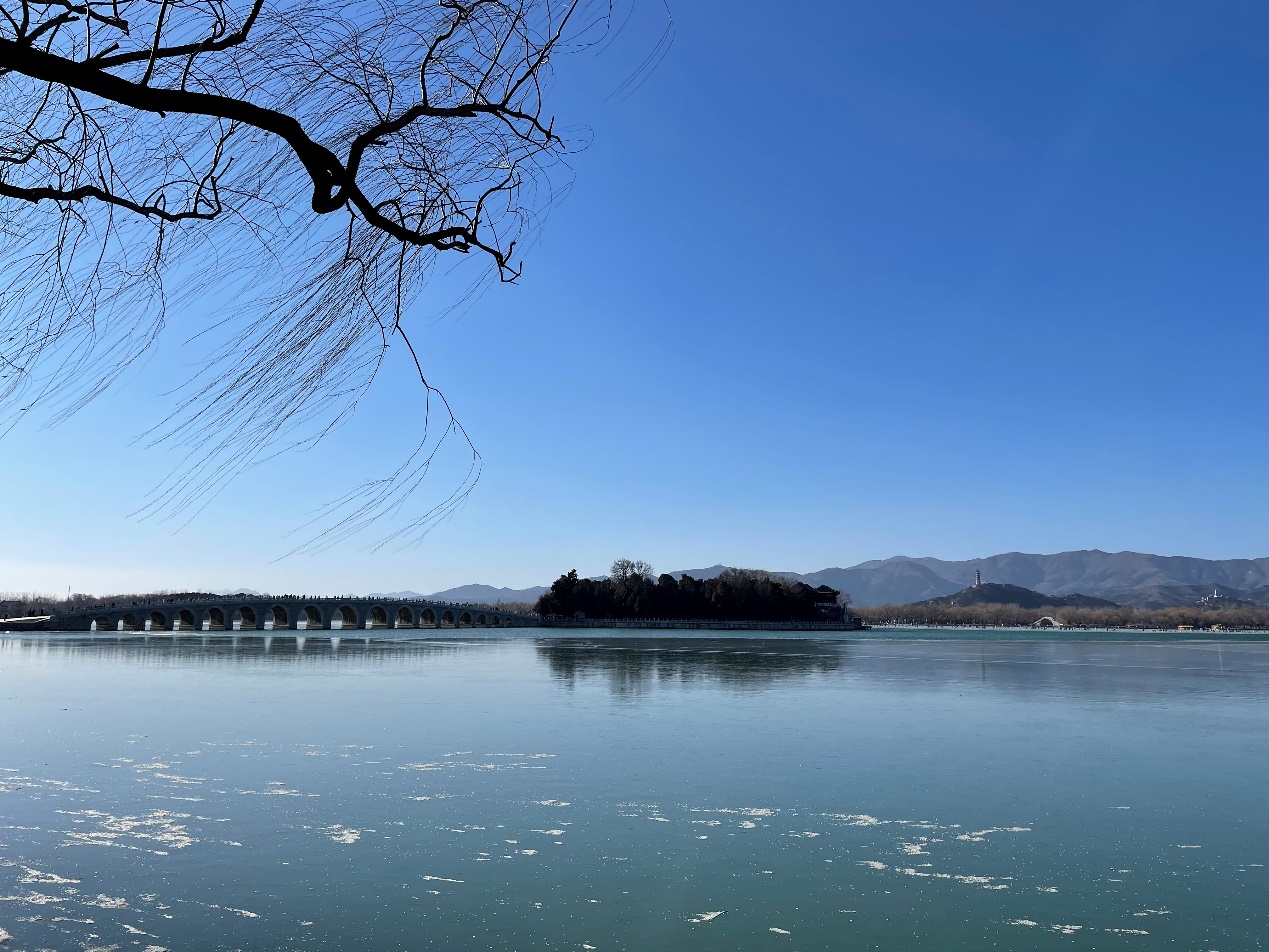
<point>943,281</point>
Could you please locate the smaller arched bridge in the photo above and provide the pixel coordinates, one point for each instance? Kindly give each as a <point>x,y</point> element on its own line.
<point>240,613</point>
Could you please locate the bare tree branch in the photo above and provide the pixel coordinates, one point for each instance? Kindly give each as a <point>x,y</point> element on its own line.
<point>287,169</point>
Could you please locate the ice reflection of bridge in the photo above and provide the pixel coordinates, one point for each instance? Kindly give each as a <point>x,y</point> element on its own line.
<point>285,614</point>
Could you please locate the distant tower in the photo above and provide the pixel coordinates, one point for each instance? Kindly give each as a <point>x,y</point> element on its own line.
<point>978,578</point>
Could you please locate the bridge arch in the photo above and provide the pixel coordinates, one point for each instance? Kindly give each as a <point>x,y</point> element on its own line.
<point>347,616</point>
<point>377,617</point>
<point>496,622</point>
<point>427,618</point>
<point>281,618</point>
<point>311,616</point>
<point>159,622</point>
<point>102,623</point>
<point>185,620</point>
<point>447,619</point>
<point>246,619</point>
<point>482,621</point>
<point>405,617</point>
<point>214,619</point>
<point>464,620</point>
<point>130,622</point>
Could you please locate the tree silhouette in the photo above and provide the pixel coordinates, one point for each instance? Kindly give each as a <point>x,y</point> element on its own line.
<point>631,592</point>
<point>630,569</point>
<point>298,165</point>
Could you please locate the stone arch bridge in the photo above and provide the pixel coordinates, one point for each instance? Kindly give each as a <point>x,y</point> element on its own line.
<point>286,614</point>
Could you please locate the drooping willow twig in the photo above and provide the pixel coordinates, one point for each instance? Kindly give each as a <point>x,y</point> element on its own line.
<point>292,170</point>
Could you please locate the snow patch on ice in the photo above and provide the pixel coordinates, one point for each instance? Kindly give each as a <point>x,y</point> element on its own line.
<point>706,916</point>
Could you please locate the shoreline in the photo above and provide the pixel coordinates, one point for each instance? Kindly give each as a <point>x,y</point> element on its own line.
<point>880,633</point>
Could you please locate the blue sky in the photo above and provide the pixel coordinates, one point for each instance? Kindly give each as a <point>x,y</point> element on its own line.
<point>838,282</point>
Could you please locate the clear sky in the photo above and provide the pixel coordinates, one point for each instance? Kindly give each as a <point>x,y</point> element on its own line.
<point>840,281</point>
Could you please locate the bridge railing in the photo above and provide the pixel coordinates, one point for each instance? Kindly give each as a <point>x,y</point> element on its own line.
<point>360,600</point>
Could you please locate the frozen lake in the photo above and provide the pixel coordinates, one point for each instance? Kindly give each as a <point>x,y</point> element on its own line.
<point>615,793</point>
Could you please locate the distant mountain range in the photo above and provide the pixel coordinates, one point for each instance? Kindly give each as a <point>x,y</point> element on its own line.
<point>1125,578</point>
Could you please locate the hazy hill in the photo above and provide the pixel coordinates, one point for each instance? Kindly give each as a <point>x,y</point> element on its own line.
<point>996,593</point>
<point>475,594</point>
<point>1220,602</point>
<point>896,581</point>
<point>1176,596</point>
<point>488,595</point>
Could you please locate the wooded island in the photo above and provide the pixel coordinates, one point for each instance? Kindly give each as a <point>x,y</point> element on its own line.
<point>734,595</point>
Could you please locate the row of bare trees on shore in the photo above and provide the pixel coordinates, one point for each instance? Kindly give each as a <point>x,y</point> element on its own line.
<point>1121,616</point>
